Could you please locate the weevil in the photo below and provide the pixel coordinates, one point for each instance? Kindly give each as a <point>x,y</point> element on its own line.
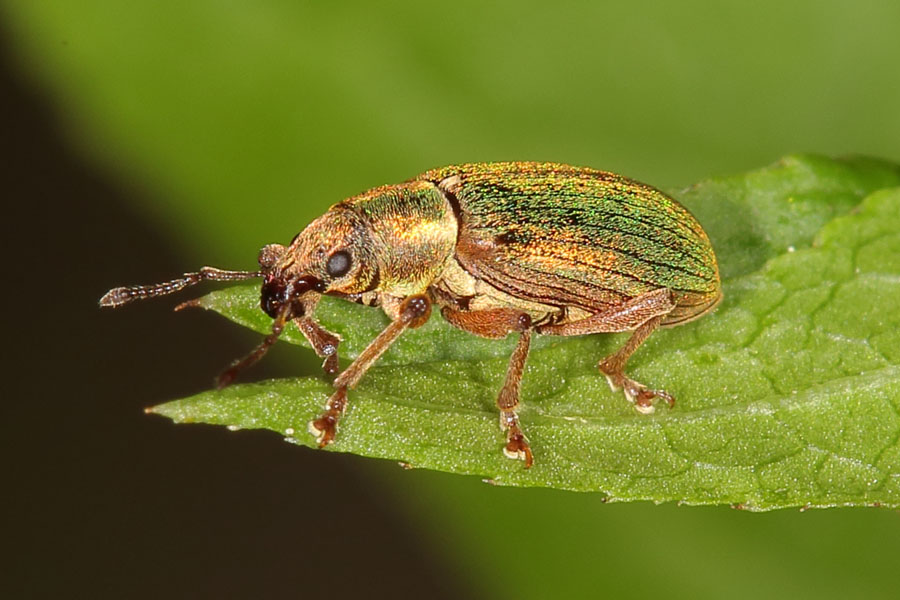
<point>514,247</point>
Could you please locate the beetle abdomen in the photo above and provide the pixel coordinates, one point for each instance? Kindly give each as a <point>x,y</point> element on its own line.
<point>575,237</point>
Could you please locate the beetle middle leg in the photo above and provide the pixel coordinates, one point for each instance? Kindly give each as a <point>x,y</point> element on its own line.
<point>643,315</point>
<point>497,323</point>
<point>413,312</point>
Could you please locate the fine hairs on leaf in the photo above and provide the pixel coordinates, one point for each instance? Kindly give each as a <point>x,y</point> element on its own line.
<point>788,395</point>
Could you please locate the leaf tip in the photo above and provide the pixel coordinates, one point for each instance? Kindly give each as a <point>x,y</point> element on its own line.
<point>170,410</point>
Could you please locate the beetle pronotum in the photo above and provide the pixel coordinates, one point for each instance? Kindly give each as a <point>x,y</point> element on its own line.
<point>500,248</point>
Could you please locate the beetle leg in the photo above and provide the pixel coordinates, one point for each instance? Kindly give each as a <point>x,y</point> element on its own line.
<point>492,323</point>
<point>323,342</point>
<point>498,323</point>
<point>613,366</point>
<point>642,314</point>
<point>414,312</point>
<point>508,401</point>
<point>625,317</point>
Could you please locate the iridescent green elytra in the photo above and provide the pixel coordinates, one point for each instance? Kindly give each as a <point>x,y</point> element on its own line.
<point>499,247</point>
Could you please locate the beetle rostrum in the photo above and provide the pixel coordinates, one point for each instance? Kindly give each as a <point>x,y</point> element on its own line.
<point>500,248</point>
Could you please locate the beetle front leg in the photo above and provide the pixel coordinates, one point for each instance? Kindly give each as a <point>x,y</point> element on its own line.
<point>413,312</point>
<point>323,342</point>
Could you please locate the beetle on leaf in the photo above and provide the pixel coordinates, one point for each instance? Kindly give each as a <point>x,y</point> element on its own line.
<point>500,248</point>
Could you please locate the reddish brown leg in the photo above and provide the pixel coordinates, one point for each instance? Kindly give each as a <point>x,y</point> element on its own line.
<point>498,323</point>
<point>508,401</point>
<point>323,342</point>
<point>613,367</point>
<point>643,315</point>
<point>414,312</point>
<point>493,323</point>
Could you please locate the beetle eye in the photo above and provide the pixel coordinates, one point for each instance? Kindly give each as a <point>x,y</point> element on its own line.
<point>338,264</point>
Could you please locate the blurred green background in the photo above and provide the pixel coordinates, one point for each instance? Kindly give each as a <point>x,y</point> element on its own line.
<point>214,127</point>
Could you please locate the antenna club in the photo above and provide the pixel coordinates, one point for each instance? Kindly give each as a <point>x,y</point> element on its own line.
<point>116,297</point>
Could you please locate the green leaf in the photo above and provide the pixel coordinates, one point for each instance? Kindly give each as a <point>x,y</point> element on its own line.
<point>788,395</point>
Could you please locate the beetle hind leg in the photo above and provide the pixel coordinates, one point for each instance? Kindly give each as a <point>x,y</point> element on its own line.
<point>642,314</point>
<point>613,366</point>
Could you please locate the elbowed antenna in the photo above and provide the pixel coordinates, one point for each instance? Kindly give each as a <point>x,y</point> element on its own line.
<point>123,295</point>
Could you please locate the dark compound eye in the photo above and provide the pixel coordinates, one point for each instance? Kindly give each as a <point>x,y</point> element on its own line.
<point>338,264</point>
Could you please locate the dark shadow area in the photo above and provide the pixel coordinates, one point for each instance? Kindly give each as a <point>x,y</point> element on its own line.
<point>107,502</point>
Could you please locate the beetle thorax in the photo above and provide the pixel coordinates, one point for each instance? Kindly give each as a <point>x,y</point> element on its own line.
<point>413,233</point>
<point>393,240</point>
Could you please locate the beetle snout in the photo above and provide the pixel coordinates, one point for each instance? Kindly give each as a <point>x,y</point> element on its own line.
<point>273,296</point>
<point>276,292</point>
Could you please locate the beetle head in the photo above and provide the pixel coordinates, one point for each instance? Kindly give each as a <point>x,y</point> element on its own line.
<point>333,254</point>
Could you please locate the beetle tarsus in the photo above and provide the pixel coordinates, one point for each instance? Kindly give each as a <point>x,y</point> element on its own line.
<point>325,427</point>
<point>517,446</point>
<point>644,398</point>
<point>638,394</point>
<point>330,364</point>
